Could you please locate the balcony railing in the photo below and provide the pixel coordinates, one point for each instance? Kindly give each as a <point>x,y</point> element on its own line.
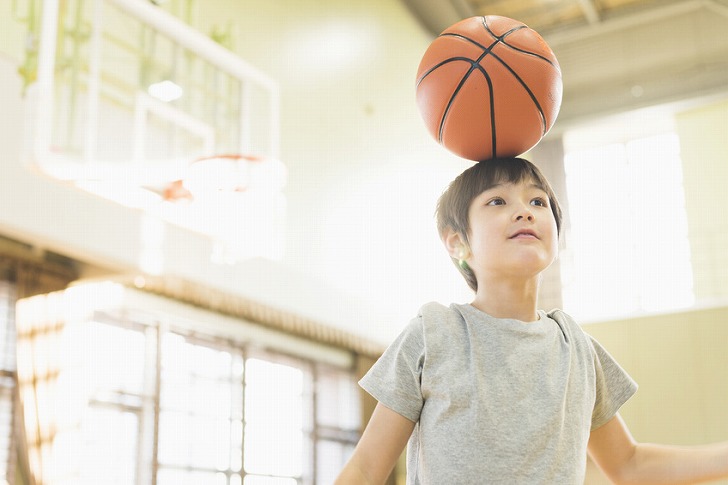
<point>128,96</point>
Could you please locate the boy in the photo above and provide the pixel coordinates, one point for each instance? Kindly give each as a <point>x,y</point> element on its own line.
<point>497,391</point>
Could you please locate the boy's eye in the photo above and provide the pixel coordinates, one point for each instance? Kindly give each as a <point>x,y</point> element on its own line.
<point>496,201</point>
<point>540,202</point>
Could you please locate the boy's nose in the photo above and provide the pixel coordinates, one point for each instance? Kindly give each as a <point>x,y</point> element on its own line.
<point>524,213</point>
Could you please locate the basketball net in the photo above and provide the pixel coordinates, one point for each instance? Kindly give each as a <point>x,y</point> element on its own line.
<point>238,201</point>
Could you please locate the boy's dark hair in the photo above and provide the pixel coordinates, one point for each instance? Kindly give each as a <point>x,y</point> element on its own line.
<point>454,204</point>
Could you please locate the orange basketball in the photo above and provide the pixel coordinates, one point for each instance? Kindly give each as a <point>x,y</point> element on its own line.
<point>489,87</point>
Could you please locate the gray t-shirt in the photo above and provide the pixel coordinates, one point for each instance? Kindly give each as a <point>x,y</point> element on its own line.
<point>497,400</point>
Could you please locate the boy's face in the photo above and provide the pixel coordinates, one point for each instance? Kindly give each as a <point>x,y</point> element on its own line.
<point>512,231</point>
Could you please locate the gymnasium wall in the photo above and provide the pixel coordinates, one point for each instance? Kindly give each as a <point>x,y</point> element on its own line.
<point>679,361</point>
<point>705,170</point>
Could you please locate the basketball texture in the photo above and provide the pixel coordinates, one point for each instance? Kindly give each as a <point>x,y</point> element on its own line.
<point>489,87</point>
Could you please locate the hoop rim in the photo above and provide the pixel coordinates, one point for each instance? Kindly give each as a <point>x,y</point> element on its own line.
<point>230,156</point>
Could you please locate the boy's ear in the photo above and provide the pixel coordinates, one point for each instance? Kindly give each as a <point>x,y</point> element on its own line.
<point>455,244</point>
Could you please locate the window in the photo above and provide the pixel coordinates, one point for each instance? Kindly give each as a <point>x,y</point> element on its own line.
<point>7,382</point>
<point>201,412</point>
<point>190,409</point>
<point>337,412</point>
<point>627,248</point>
<point>114,371</point>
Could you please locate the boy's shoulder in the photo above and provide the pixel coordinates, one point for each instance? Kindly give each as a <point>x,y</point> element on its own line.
<point>433,308</point>
<point>561,317</point>
<point>435,312</point>
<point>434,317</point>
<point>569,326</point>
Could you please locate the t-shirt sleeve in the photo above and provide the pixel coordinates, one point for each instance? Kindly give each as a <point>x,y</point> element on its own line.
<point>613,386</point>
<point>394,380</point>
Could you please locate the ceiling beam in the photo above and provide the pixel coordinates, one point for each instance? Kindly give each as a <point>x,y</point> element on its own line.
<point>619,23</point>
<point>590,11</point>
<point>464,8</point>
<point>716,7</point>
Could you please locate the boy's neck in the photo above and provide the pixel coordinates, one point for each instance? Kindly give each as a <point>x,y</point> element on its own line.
<point>512,299</point>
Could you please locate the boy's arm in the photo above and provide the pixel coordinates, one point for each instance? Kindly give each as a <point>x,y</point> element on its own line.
<point>379,448</point>
<point>625,461</point>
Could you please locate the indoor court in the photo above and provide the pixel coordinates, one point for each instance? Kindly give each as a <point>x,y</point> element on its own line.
<point>216,215</point>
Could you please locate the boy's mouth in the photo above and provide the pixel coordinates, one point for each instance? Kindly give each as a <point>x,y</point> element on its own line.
<point>524,233</point>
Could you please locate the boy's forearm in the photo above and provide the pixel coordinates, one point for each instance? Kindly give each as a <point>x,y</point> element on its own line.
<point>352,474</point>
<point>659,464</point>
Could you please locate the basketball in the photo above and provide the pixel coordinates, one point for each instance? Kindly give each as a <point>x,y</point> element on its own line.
<point>489,87</point>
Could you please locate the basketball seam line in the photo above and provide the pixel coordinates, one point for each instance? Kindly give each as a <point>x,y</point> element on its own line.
<point>502,41</point>
<point>528,90</point>
<point>522,26</point>
<point>473,66</point>
<point>484,21</point>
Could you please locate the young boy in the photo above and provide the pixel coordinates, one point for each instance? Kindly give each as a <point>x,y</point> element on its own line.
<point>496,391</point>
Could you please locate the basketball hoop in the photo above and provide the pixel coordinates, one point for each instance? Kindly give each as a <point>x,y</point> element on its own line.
<point>176,191</point>
<point>227,173</point>
<point>206,177</point>
<point>238,201</point>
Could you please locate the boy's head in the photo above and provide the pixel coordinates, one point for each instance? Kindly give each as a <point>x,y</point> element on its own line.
<point>454,204</point>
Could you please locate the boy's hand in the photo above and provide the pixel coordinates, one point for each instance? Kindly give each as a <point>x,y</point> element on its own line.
<point>624,460</point>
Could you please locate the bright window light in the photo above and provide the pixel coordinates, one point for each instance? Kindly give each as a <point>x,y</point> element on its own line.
<point>261,480</point>
<point>274,422</point>
<point>111,461</point>
<point>627,249</point>
<point>165,91</point>
<point>8,380</point>
<point>204,410</point>
<point>200,425</point>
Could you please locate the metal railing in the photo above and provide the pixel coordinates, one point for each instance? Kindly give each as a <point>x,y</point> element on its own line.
<point>125,89</point>
<point>127,96</point>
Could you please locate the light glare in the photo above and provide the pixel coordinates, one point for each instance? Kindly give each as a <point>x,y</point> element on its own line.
<point>165,91</point>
